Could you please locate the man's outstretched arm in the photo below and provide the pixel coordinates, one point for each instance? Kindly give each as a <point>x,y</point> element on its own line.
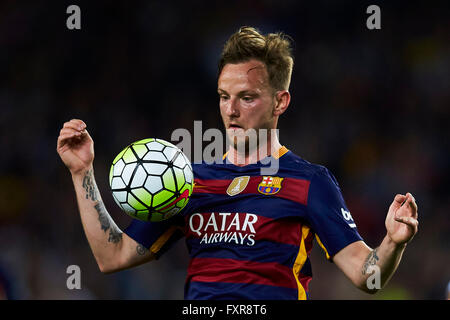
<point>112,249</point>
<point>359,262</point>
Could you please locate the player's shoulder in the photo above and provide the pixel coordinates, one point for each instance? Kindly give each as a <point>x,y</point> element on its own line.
<point>289,165</point>
<point>308,170</point>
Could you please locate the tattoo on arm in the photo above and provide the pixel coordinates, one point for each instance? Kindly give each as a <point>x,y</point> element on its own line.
<point>115,235</point>
<point>141,250</point>
<point>371,260</point>
<point>89,186</point>
<point>103,216</point>
<point>106,223</point>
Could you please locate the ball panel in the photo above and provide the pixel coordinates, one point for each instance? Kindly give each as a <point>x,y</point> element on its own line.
<point>128,172</point>
<point>128,156</point>
<point>154,168</point>
<point>170,153</point>
<point>186,160</point>
<point>118,167</point>
<point>140,150</point>
<point>179,161</point>
<point>180,204</point>
<point>155,156</point>
<point>117,183</point>
<point>169,181</point>
<point>139,177</point>
<point>161,197</point>
<point>155,146</point>
<point>188,175</point>
<point>121,196</point>
<point>134,203</point>
<point>153,184</point>
<point>179,175</point>
<point>183,202</point>
<point>143,195</point>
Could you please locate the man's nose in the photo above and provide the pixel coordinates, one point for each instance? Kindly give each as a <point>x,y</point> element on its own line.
<point>232,108</point>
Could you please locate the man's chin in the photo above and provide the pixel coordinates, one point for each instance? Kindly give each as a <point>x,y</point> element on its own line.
<point>242,144</point>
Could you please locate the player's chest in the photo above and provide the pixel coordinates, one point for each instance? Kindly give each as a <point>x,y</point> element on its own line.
<point>249,191</point>
<point>247,209</point>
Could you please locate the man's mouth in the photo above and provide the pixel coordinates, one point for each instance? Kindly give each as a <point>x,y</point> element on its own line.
<point>234,126</point>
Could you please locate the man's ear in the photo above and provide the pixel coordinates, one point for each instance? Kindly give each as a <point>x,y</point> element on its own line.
<point>283,98</point>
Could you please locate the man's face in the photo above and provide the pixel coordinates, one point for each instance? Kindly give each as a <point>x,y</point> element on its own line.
<point>246,99</point>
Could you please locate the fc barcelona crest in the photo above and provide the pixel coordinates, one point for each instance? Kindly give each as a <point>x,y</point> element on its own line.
<point>270,185</point>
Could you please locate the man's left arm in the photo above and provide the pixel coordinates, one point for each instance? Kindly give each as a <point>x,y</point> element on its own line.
<point>359,262</point>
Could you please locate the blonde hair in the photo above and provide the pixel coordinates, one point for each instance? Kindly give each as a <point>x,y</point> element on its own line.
<point>273,49</point>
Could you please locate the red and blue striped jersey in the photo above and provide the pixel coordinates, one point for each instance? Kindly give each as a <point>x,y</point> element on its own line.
<point>249,236</point>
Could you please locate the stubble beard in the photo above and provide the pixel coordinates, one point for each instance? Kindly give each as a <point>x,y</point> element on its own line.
<point>248,141</point>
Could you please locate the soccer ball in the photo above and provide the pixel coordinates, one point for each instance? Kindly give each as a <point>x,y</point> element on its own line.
<point>151,180</point>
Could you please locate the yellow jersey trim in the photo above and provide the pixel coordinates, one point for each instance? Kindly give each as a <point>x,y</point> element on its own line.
<point>322,246</point>
<point>300,261</point>
<point>157,245</point>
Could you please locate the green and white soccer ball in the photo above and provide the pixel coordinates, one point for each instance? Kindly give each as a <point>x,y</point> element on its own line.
<point>151,180</point>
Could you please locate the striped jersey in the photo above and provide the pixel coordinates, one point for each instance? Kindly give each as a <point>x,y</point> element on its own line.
<point>249,236</point>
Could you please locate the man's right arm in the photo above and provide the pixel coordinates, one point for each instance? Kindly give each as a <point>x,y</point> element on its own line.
<point>112,249</point>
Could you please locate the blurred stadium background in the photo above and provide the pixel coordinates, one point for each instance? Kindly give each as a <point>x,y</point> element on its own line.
<point>372,106</point>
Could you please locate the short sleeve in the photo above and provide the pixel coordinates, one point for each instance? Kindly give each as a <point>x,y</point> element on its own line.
<point>158,237</point>
<point>328,214</point>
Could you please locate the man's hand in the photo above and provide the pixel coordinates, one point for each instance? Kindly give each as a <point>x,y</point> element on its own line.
<point>401,221</point>
<point>75,146</point>
<point>355,259</point>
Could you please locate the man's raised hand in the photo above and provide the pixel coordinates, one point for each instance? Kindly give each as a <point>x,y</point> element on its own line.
<point>75,146</point>
<point>401,221</point>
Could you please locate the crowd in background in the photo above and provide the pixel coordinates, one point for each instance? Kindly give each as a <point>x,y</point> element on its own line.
<point>370,105</point>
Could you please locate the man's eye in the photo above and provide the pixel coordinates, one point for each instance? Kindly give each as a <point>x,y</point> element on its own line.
<point>247,99</point>
<point>222,97</point>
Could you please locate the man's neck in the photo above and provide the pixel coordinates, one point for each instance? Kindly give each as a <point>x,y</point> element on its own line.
<point>270,147</point>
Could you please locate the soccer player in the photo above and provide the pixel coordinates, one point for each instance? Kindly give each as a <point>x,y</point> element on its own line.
<point>249,235</point>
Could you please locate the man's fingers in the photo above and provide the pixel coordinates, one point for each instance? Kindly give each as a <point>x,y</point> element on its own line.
<point>411,202</point>
<point>67,134</point>
<point>75,124</point>
<point>398,200</point>
<point>79,123</point>
<point>72,125</point>
<point>70,131</point>
<point>63,139</point>
<point>408,220</point>
<point>410,206</point>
